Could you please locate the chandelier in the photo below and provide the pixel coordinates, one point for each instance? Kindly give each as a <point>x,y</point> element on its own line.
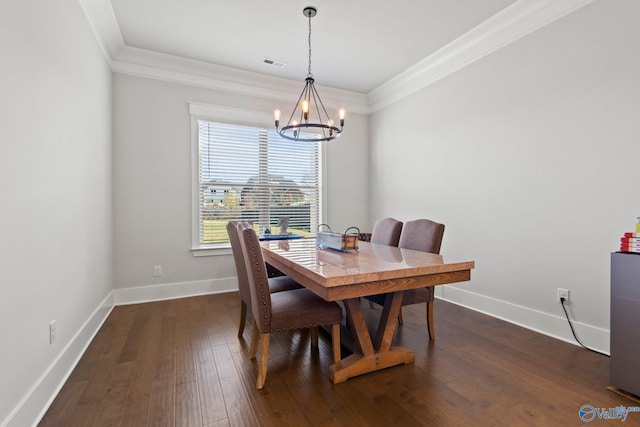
<point>303,125</point>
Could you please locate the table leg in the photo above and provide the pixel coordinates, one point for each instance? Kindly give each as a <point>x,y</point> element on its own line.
<point>372,359</point>
<point>388,324</point>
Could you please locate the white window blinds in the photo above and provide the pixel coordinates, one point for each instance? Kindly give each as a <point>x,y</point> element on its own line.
<point>252,174</point>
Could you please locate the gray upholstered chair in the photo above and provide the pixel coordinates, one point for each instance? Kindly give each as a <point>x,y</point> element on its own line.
<point>421,235</point>
<point>282,311</point>
<point>276,284</point>
<point>386,231</point>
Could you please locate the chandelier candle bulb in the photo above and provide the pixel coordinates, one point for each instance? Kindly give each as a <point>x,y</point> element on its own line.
<point>276,115</point>
<point>341,117</point>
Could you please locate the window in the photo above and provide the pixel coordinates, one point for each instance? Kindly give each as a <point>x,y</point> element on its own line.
<point>252,174</point>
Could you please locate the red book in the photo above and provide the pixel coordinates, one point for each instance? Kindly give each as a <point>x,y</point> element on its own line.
<point>630,249</point>
<point>625,241</point>
<point>630,240</point>
<point>629,234</point>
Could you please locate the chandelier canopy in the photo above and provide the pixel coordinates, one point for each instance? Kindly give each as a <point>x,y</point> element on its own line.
<point>309,120</point>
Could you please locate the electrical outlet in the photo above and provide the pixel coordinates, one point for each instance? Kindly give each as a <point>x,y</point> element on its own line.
<point>157,270</point>
<point>563,293</point>
<point>52,332</point>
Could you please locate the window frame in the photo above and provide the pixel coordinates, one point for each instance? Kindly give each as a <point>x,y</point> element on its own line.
<point>234,116</point>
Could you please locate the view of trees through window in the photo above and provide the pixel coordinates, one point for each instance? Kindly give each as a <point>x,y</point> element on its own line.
<point>253,174</point>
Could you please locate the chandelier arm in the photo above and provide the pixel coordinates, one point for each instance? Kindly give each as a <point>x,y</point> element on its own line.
<point>316,97</point>
<point>297,103</point>
<point>322,105</point>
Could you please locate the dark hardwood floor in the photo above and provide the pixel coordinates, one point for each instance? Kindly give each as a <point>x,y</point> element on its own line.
<point>180,362</point>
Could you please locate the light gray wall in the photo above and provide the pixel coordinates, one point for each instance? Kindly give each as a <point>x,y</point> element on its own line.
<point>152,180</point>
<point>55,181</point>
<point>528,157</point>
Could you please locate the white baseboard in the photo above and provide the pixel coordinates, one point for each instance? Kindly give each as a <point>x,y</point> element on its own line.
<point>43,392</point>
<point>167,291</point>
<point>552,325</point>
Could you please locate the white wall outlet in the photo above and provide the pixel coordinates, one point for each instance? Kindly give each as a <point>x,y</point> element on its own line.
<point>563,293</point>
<point>157,270</point>
<point>52,332</point>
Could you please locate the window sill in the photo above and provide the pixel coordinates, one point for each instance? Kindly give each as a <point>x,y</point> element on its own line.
<point>211,250</point>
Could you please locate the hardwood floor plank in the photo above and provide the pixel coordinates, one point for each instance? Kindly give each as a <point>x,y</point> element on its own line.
<point>212,404</point>
<point>143,352</point>
<point>136,335</point>
<point>107,379</point>
<point>239,410</point>
<point>62,411</point>
<point>112,406</point>
<point>185,359</point>
<point>162,400</point>
<point>188,412</point>
<point>273,406</point>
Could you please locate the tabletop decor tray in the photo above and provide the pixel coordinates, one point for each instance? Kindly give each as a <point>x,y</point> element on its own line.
<point>338,241</point>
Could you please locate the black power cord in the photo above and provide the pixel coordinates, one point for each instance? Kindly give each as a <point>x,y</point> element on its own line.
<point>574,332</point>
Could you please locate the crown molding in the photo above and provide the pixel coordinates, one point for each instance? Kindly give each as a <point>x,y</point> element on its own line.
<point>104,25</point>
<point>169,68</point>
<point>516,21</point>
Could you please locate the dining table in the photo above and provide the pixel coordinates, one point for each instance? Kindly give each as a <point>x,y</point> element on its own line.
<point>350,275</point>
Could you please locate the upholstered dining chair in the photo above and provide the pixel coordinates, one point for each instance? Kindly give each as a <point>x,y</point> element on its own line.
<point>276,284</point>
<point>386,231</point>
<point>282,311</point>
<point>421,235</point>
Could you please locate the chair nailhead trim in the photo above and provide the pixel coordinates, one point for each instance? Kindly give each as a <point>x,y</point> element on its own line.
<point>261,286</point>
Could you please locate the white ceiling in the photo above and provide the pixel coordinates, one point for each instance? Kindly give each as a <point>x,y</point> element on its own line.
<point>357,45</point>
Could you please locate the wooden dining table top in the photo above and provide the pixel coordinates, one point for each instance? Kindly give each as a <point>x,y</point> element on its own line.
<point>373,269</point>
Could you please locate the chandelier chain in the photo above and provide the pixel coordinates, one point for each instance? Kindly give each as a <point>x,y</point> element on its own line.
<point>309,69</point>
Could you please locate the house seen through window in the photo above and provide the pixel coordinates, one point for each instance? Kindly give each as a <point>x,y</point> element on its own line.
<point>252,174</point>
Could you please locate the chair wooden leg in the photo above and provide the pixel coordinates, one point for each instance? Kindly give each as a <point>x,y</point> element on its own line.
<point>255,337</point>
<point>243,318</point>
<point>400,320</point>
<point>430,326</point>
<point>314,336</point>
<point>335,342</point>
<point>264,360</point>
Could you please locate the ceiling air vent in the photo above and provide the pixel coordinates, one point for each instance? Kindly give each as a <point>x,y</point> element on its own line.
<point>273,62</point>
